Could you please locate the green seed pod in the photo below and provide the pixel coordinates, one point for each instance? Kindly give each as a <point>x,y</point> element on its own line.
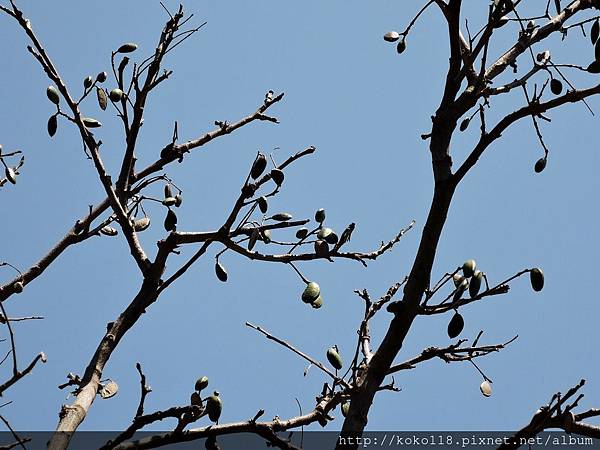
<point>302,233</point>
<point>465,124</point>
<point>263,205</point>
<point>281,217</point>
<point>195,399</point>
<point>10,175</point>
<point>320,215</point>
<point>259,166</point>
<point>109,231</point>
<point>87,82</point>
<point>277,176</point>
<point>536,277</point>
<point>253,238</point>
<point>214,406</point>
<point>18,287</point>
<point>101,77</point>
<point>468,268</point>
<point>201,383</point>
<point>556,86</point>
<point>141,224</point>
<point>401,46</point>
<point>168,191</point>
<point>52,125</point>
<point>91,123</point>
<point>170,223</point>
<point>460,281</point>
<point>540,164</point>
<point>391,36</point>
<point>475,284</point>
<point>334,357</point>
<point>266,236</point>
<point>345,408</point>
<point>53,95</point>
<point>127,48</point>
<point>595,32</point>
<point>456,325</point>
<point>322,249</point>
<point>116,95</point>
<point>311,292</point>
<point>178,200</point>
<point>317,303</point>
<point>102,99</point>
<point>169,201</point>
<point>486,388</point>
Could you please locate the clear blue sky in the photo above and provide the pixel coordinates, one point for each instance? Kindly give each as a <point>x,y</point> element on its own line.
<point>364,108</point>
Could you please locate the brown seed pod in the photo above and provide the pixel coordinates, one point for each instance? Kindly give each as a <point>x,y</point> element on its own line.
<point>263,205</point>
<point>302,233</point>
<point>277,176</point>
<point>169,201</point>
<point>221,272</point>
<point>540,164</point>
<point>87,82</point>
<point>170,223</point>
<point>401,46</point>
<point>556,86</point>
<point>52,125</point>
<point>259,166</point>
<point>201,383</point>
<point>475,284</point>
<point>281,217</point>
<point>109,231</point>
<point>141,224</point>
<point>464,124</point>
<point>90,122</point>
<point>178,200</point>
<point>127,48</point>
<point>486,388</point>
<point>195,399</point>
<point>102,99</point>
<point>320,215</point>
<point>109,390</point>
<point>322,248</point>
<point>254,235</point>
<point>53,95</point>
<point>317,303</point>
<point>536,277</point>
<point>168,191</point>
<point>101,77</point>
<point>391,36</point>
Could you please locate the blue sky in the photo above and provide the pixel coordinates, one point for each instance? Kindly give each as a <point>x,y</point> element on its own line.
<point>364,108</point>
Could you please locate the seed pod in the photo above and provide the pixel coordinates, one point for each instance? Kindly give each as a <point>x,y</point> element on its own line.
<point>321,248</point>
<point>169,201</point>
<point>311,292</point>
<point>102,99</point>
<point>253,238</point>
<point>91,123</point>
<point>281,217</point>
<point>221,272</point>
<point>10,175</point>
<point>595,32</point>
<point>101,77</point>
<point>460,281</point>
<point>87,82</point>
<point>170,221</point>
<point>53,95</point>
<point>201,383</point>
<point>345,408</point>
<point>324,232</point>
<point>178,200</point>
<point>486,388</point>
<point>540,164</point>
<point>109,390</point>
<point>214,406</point>
<point>556,86</point>
<point>320,215</point>
<point>475,284</point>
<point>464,124</point>
<point>263,205</point>
<point>456,325</point>
<point>468,268</point>
<point>141,224</point>
<point>536,277</point>
<point>109,231</point>
<point>259,166</point>
<point>168,191</point>
<point>594,67</point>
<point>391,36</point>
<point>18,287</point>
<point>401,46</point>
<point>266,236</point>
<point>195,399</point>
<point>127,48</point>
<point>332,238</point>
<point>302,233</point>
<point>115,95</point>
<point>277,176</point>
<point>317,303</point>
<point>459,292</point>
<point>334,357</point>
<point>52,125</point>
